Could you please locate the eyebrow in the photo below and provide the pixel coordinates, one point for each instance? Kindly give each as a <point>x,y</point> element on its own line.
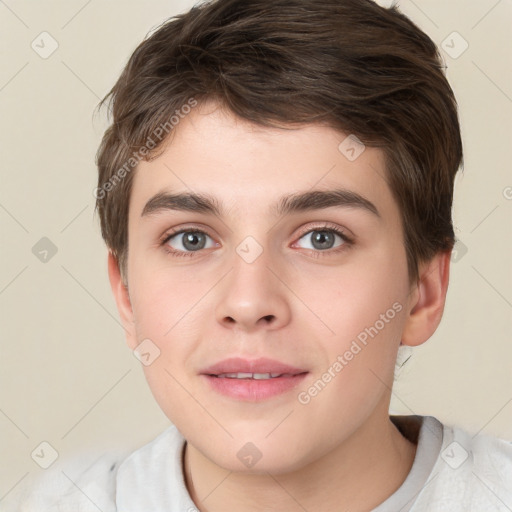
<point>289,204</point>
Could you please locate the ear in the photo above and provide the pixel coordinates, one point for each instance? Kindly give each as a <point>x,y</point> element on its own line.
<point>427,299</point>
<point>122,298</point>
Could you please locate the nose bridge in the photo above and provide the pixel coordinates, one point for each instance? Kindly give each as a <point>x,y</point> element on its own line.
<point>250,266</point>
<point>251,293</point>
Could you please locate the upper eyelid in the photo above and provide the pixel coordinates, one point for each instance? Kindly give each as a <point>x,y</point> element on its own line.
<point>325,227</point>
<point>171,232</point>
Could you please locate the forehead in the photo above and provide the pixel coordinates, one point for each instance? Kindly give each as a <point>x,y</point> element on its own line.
<point>250,168</point>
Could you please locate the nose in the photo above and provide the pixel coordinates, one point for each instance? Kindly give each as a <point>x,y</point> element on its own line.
<point>253,296</point>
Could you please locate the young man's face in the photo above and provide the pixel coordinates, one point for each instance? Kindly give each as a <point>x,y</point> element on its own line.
<point>260,285</point>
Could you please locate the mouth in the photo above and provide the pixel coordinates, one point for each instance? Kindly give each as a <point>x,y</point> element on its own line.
<point>252,381</point>
<point>255,376</point>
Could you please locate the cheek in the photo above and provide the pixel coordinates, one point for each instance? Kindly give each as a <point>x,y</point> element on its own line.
<point>363,305</point>
<point>161,300</point>
<point>167,309</point>
<point>359,373</point>
<point>348,299</point>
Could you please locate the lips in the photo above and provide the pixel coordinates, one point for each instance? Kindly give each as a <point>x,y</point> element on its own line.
<point>260,366</point>
<point>257,376</point>
<point>252,381</point>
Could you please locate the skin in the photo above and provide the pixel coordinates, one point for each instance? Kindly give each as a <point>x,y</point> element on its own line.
<point>340,449</point>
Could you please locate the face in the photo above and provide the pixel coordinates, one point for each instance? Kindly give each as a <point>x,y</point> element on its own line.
<point>268,277</point>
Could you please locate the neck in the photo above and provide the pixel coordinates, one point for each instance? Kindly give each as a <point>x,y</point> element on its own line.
<point>360,474</point>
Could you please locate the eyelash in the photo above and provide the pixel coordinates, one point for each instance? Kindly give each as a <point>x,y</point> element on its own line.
<point>329,228</point>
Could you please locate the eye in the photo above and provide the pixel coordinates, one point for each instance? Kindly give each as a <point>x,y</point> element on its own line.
<point>186,241</point>
<point>323,239</point>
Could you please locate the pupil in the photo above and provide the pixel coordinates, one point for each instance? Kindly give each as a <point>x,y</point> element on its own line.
<point>192,241</point>
<point>323,240</point>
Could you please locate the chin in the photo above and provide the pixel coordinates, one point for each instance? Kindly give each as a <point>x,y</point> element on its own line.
<point>256,457</point>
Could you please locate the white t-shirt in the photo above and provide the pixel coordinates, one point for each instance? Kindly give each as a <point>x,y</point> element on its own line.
<point>453,471</point>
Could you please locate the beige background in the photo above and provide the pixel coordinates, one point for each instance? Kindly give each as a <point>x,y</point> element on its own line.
<point>67,377</point>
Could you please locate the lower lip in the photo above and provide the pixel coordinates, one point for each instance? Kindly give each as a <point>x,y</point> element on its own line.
<point>254,390</point>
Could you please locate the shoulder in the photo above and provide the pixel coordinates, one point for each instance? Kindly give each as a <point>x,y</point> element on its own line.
<point>82,484</point>
<point>103,482</point>
<point>486,456</point>
<point>144,475</point>
<point>473,472</point>
<point>160,451</point>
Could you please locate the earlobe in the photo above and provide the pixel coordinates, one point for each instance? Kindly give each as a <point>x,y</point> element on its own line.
<point>427,300</point>
<point>122,298</point>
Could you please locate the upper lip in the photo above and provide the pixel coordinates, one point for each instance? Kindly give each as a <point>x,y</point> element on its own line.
<point>240,365</point>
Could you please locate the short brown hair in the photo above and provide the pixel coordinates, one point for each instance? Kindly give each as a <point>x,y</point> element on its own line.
<point>351,64</point>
